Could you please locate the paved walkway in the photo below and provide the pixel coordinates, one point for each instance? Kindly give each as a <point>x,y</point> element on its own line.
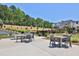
<point>38,47</point>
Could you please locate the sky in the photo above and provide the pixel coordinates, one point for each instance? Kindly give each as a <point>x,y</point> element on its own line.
<point>53,12</point>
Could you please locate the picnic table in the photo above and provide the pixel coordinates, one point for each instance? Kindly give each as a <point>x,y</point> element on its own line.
<point>19,37</point>
<point>60,39</point>
<point>24,37</point>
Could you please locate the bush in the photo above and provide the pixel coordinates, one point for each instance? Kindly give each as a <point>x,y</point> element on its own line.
<point>42,34</point>
<point>77,30</point>
<point>46,34</point>
<point>69,30</point>
<point>39,33</point>
<point>22,31</point>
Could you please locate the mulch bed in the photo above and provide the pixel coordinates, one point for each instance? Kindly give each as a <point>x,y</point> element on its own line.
<point>75,43</point>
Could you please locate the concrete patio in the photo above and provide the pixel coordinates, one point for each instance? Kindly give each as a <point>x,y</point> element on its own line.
<point>38,47</point>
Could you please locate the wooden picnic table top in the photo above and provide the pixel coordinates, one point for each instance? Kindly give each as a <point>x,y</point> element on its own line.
<point>57,36</point>
<point>20,35</point>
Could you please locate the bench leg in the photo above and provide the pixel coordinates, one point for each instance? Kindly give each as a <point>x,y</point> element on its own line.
<point>50,43</point>
<point>70,44</point>
<point>60,43</point>
<point>16,40</point>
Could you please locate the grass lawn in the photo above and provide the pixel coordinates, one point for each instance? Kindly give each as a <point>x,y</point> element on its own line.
<point>75,38</point>
<point>5,36</point>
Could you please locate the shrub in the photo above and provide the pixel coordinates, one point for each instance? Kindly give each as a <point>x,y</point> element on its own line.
<point>46,34</point>
<point>39,33</point>
<point>22,31</point>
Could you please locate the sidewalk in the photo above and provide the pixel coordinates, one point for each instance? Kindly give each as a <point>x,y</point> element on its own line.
<point>38,47</point>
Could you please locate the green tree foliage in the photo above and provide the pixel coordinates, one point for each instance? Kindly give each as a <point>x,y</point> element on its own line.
<point>1,23</point>
<point>15,16</point>
<point>39,22</point>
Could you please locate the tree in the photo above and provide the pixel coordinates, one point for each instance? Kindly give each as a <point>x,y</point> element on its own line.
<point>13,8</point>
<point>47,24</point>
<point>1,23</point>
<point>39,23</point>
<point>68,29</point>
<point>15,16</point>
